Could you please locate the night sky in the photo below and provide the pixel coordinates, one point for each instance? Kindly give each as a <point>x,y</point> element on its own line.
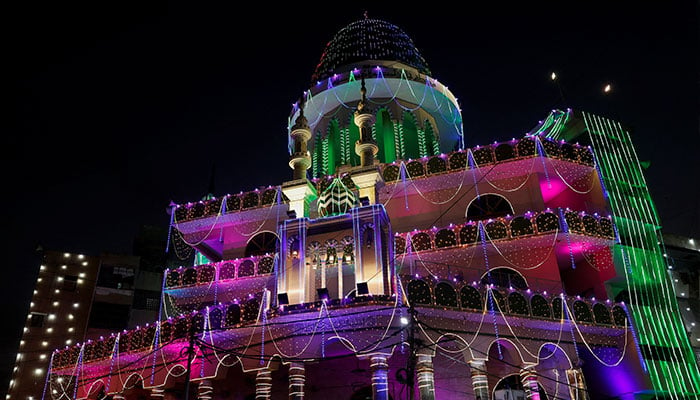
<point>117,109</point>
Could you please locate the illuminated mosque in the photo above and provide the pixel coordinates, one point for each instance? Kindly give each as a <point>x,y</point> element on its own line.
<point>399,262</point>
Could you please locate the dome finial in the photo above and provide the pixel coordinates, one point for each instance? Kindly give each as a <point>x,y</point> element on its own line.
<point>301,121</point>
<point>363,100</point>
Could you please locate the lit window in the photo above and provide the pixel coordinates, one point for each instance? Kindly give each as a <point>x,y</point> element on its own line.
<point>82,275</point>
<point>43,267</point>
<point>40,279</point>
<point>84,263</point>
<point>80,256</point>
<point>57,291</point>
<point>42,356</point>
<point>55,304</point>
<point>75,305</point>
<point>44,343</point>
<point>70,316</point>
<point>64,266</point>
<point>69,341</point>
<point>71,329</point>
<point>49,330</point>
<point>66,255</point>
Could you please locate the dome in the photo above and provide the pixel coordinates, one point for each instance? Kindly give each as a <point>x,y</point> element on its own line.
<point>369,39</point>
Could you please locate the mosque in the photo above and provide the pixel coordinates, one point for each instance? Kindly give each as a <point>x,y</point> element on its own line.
<point>399,263</point>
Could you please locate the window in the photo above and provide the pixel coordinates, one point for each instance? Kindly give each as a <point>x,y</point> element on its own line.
<point>37,320</point>
<point>70,283</point>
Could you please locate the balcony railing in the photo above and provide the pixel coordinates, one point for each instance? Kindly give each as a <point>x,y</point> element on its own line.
<point>229,203</point>
<point>220,271</point>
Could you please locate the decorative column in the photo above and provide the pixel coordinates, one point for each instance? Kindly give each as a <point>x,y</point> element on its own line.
<point>205,390</point>
<point>577,385</point>
<point>300,159</point>
<point>157,394</point>
<point>366,147</point>
<point>480,381</point>
<point>425,377</point>
<point>379,366</point>
<point>297,378</point>
<point>528,377</point>
<point>263,384</point>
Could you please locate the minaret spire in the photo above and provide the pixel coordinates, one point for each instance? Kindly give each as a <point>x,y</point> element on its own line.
<point>366,147</point>
<point>300,159</point>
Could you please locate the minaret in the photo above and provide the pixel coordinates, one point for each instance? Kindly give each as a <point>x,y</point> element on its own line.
<point>366,147</point>
<point>299,190</point>
<point>366,176</point>
<point>300,159</point>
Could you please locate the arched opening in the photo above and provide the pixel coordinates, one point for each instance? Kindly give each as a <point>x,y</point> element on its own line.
<point>445,295</point>
<point>261,244</point>
<point>418,292</point>
<point>511,388</point>
<point>504,277</point>
<point>540,307</point>
<point>488,206</point>
<point>471,298</point>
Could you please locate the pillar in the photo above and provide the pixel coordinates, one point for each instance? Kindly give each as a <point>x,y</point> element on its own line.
<point>297,377</point>
<point>368,181</point>
<point>300,194</point>
<point>366,147</point>
<point>425,377</point>
<point>528,377</point>
<point>157,394</point>
<point>480,381</point>
<point>379,366</point>
<point>205,390</point>
<point>577,385</point>
<point>263,384</point>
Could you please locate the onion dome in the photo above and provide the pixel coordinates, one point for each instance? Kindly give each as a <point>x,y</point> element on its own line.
<point>336,199</point>
<point>369,39</point>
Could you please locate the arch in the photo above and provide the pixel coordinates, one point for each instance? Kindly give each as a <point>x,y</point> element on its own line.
<point>216,317</point>
<point>251,308</point>
<point>568,152</point>
<point>264,242</point>
<point>469,234</point>
<point>189,277</point>
<point>206,274</point>
<point>547,222</point>
<point>602,314</point>
<point>557,308</point>
<point>606,227</point>
<point>540,307</point>
<point>504,277</point>
<point>503,350</point>
<point>582,312</point>
<point>458,160</point>
<point>499,302</point>
<point>418,292</point>
<point>619,316</point>
<point>591,225</point>
<point>250,200</point>
<point>511,387</point>
<point>551,148</point>
<point>265,265</point>
<point>391,173</point>
<point>227,271</point>
<point>436,165</point>
<point>525,147</point>
<point>488,205</point>
<point>233,203</point>
<point>182,213</point>
<point>197,210</point>
<point>471,298</point>
<point>421,241</point>
<point>445,295</point>
<point>415,169</point>
<point>233,315</point>
<point>213,206</point>
<point>482,155</point>
<point>496,230</point>
<point>517,304</point>
<point>269,197</point>
<point>585,155</point>
<point>399,245</point>
<point>504,151</point>
<point>172,279</point>
<point>521,226</point>
<point>573,221</point>
<point>246,268</point>
<point>445,238</point>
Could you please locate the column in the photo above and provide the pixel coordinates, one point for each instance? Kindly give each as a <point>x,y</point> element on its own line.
<point>157,394</point>
<point>577,385</point>
<point>480,381</point>
<point>425,377</point>
<point>263,384</point>
<point>205,390</point>
<point>297,377</point>
<point>528,377</point>
<point>379,366</point>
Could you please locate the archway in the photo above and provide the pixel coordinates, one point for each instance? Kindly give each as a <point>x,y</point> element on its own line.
<point>488,206</point>
<point>261,244</point>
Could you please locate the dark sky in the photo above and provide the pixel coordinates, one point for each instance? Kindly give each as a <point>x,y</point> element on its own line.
<point>118,108</point>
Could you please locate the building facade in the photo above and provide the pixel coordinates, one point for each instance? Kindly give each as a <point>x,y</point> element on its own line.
<point>399,263</point>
